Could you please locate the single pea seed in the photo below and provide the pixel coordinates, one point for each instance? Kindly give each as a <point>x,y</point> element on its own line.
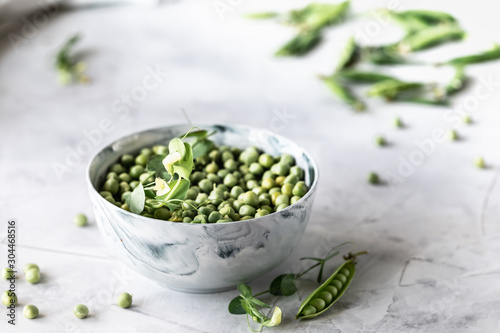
<point>332,290</point>
<point>27,267</point>
<point>287,189</point>
<point>136,171</point>
<point>282,199</point>
<point>479,162</point>
<point>141,160</point>
<point>250,198</point>
<point>294,199</point>
<point>380,141</point>
<point>287,159</point>
<point>341,277</point>
<point>281,207</point>
<point>124,300</point>
<point>30,311</point>
<point>127,160</point>
<point>326,296</point>
<point>337,284</point>
<point>309,310</point>
<point>452,135</point>
<point>9,298</point>
<point>33,276</point>
<point>266,160</point>
<point>212,168</point>
<point>162,214</point>
<point>468,119</point>
<point>111,185</point>
<point>298,171</point>
<point>300,189</point>
<point>256,168</point>
<point>247,210</point>
<point>318,303</point>
<point>397,122</point>
<point>80,220</point>
<point>291,179</point>
<point>373,178</point>
<point>261,212</point>
<point>81,311</point>
<point>345,271</point>
<point>7,273</point>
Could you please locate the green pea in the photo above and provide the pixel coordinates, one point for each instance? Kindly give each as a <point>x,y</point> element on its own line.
<point>201,198</point>
<point>146,178</point>
<point>291,179</point>
<point>125,177</point>
<point>246,210</point>
<point>250,198</point>
<point>124,187</point>
<point>117,168</point>
<point>380,141</point>
<point>162,214</point>
<point>282,199</point>
<point>80,220</point>
<point>259,190</point>
<point>226,156</point>
<point>287,189</point>
<point>105,194</point>
<point>297,171</point>
<point>9,298</point>
<point>30,311</point>
<point>267,207</point>
<point>110,199</point>
<point>249,156</point>
<point>141,160</point>
<point>244,218</point>
<point>274,196</point>
<point>280,180</point>
<point>332,290</point>
<point>133,184</point>
<point>231,165</point>
<point>7,273</point>
<point>224,220</point>
<point>202,160</point>
<point>113,175</point>
<point>397,122</point>
<point>268,183</point>
<point>237,204</point>
<point>337,284</point>
<point>146,152</point>
<point>264,201</point>
<point>281,207</point>
<point>274,189</point>
<point>200,219</point>
<point>294,199</point>
<point>266,160</point>
<point>136,171</point>
<point>280,169</point>
<point>287,159</point>
<point>125,196</point>
<point>125,206</point>
<point>160,150</point>
<point>249,176</point>
<point>261,212</point>
<point>214,178</point>
<point>212,168</point>
<point>318,303</point>
<point>32,275</point>
<point>27,267</point>
<point>345,272</point>
<point>124,300</point>
<point>452,135</point>
<point>373,178</point>
<point>341,277</point>
<point>309,310</point>
<point>479,162</point>
<point>300,189</point>
<point>326,296</point>
<point>127,159</point>
<point>244,169</point>
<point>81,311</point>
<point>111,185</point>
<point>205,185</point>
<point>214,217</point>
<point>236,191</point>
<point>256,168</point>
<point>215,155</point>
<point>187,219</point>
<point>197,176</point>
<point>227,210</point>
<point>267,174</point>
<point>230,180</point>
<point>251,184</point>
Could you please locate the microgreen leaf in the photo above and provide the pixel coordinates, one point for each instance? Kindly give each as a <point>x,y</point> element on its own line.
<point>245,290</point>
<point>275,287</point>
<point>136,200</point>
<point>235,306</point>
<point>195,134</point>
<point>155,164</point>
<point>176,145</point>
<point>202,147</point>
<point>258,302</point>
<point>184,167</point>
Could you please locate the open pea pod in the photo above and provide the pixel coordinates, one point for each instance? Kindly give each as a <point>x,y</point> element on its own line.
<point>322,291</point>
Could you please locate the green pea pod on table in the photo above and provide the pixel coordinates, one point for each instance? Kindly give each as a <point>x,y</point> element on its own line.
<point>356,76</point>
<point>350,54</point>
<point>300,44</point>
<point>424,18</point>
<point>391,89</point>
<point>458,82</point>
<point>427,38</point>
<point>343,93</point>
<point>490,55</point>
<point>323,297</point>
<point>318,15</point>
<point>381,55</point>
<point>262,15</point>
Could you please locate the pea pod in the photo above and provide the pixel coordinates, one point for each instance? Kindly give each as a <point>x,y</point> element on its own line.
<point>458,82</point>
<point>432,36</point>
<point>342,277</point>
<point>300,44</point>
<point>349,56</point>
<point>493,54</point>
<point>381,55</point>
<point>343,93</point>
<point>262,16</point>
<point>355,76</point>
<point>421,18</point>
<point>392,89</point>
<point>318,15</point>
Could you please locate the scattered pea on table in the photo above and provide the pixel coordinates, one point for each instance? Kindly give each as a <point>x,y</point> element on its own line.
<point>30,311</point>
<point>7,273</point>
<point>80,220</point>
<point>81,311</point>
<point>9,298</point>
<point>124,300</point>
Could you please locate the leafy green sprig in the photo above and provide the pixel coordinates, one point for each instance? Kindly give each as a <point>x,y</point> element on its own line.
<point>68,69</point>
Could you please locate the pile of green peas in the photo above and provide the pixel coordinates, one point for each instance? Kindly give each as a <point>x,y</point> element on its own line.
<point>227,184</point>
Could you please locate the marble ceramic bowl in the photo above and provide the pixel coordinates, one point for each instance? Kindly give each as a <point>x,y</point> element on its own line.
<point>201,258</point>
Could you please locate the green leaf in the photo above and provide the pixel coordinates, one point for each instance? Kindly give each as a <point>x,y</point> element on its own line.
<point>136,200</point>
<point>343,93</point>
<point>149,194</point>
<point>349,56</point>
<point>490,55</point>
<point>176,145</point>
<point>275,287</point>
<point>316,16</point>
<point>235,306</point>
<point>261,16</point>
<point>300,44</point>
<point>184,167</point>
<point>195,134</point>
<point>155,164</point>
<point>288,287</point>
<point>245,290</point>
<point>178,189</point>
<point>258,302</point>
<point>202,147</point>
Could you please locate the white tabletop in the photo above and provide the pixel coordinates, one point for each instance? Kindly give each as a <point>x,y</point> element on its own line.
<point>433,238</point>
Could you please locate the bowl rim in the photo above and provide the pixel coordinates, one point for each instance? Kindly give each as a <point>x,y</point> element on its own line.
<point>309,193</point>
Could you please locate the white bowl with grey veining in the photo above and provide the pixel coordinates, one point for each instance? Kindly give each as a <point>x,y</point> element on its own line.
<point>201,258</point>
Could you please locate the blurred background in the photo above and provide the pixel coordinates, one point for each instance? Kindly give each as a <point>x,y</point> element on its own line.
<point>431,228</point>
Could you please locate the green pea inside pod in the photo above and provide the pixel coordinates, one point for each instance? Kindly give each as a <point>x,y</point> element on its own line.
<point>323,297</point>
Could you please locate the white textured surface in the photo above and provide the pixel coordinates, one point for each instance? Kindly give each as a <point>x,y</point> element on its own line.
<point>433,239</point>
